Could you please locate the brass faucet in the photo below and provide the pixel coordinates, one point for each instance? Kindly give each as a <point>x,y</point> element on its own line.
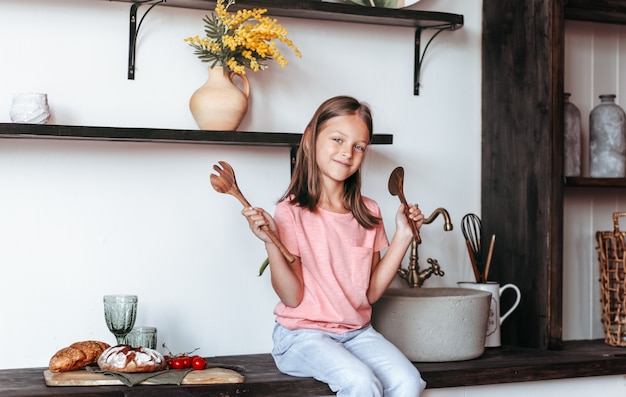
<point>447,226</point>
<point>412,275</point>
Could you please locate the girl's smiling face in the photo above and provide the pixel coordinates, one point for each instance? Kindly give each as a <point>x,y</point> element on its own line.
<point>340,147</point>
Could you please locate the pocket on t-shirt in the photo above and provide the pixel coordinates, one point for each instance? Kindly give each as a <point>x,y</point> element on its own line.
<point>359,265</point>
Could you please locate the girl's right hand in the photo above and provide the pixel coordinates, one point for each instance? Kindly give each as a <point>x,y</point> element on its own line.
<point>257,218</point>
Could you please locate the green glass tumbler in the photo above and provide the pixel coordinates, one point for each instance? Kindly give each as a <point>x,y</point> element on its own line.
<point>120,312</point>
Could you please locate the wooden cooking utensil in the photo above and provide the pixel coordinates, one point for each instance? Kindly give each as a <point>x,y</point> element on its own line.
<point>473,261</point>
<point>396,188</point>
<point>488,265</point>
<point>224,182</point>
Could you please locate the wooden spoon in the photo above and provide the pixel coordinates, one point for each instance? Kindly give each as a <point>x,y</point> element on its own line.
<point>396,188</point>
<point>489,255</point>
<point>224,182</point>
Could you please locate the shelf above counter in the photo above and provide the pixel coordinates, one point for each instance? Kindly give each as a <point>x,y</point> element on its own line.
<point>319,10</point>
<point>598,11</point>
<point>48,131</point>
<point>595,182</point>
<point>602,11</point>
<point>161,135</point>
<point>52,131</point>
<point>338,12</point>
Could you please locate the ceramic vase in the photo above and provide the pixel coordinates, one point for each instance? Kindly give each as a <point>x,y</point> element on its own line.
<point>573,137</point>
<point>220,105</point>
<point>607,139</point>
<point>30,108</point>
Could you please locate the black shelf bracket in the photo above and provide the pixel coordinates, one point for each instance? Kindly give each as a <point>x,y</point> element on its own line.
<point>419,58</point>
<point>134,31</point>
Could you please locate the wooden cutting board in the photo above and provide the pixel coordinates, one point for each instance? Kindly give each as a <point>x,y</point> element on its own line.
<point>85,378</point>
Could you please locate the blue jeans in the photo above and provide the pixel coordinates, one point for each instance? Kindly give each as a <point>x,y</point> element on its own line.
<point>359,363</point>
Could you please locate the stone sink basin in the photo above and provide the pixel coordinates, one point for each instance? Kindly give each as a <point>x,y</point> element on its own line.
<point>434,324</point>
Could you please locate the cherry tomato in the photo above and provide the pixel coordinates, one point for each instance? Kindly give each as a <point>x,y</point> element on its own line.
<point>198,362</point>
<point>178,363</point>
<point>186,362</point>
<point>168,360</point>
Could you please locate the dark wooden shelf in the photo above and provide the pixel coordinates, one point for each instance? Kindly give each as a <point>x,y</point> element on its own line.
<point>595,182</point>
<point>317,9</point>
<point>51,131</point>
<point>603,11</point>
<point>320,10</point>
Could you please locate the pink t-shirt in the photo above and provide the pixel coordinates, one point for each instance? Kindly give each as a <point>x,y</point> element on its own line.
<point>336,254</point>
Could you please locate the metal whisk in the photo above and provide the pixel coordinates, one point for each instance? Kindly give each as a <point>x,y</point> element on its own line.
<point>472,228</point>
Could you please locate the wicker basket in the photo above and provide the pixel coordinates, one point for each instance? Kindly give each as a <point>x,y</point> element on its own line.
<point>611,255</point>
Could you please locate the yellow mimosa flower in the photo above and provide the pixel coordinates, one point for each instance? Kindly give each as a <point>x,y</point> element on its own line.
<point>240,40</point>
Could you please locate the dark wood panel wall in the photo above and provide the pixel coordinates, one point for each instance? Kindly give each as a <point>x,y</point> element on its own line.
<point>522,192</point>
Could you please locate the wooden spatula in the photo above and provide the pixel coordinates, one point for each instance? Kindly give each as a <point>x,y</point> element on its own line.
<point>396,188</point>
<point>224,182</point>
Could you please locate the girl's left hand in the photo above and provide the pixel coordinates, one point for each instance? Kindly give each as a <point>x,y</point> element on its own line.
<point>416,215</point>
<point>413,212</point>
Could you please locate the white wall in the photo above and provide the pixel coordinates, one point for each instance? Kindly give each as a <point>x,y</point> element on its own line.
<point>81,219</point>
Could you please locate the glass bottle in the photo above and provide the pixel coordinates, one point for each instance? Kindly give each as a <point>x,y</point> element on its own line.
<point>573,137</point>
<point>607,139</point>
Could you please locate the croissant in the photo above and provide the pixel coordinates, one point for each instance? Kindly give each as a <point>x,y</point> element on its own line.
<point>77,356</point>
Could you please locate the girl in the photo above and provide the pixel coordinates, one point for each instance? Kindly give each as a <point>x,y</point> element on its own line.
<point>323,318</point>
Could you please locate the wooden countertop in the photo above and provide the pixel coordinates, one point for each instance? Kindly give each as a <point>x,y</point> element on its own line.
<point>496,365</point>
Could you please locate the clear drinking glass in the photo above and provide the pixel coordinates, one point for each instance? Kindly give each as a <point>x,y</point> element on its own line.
<point>120,312</point>
<point>142,337</point>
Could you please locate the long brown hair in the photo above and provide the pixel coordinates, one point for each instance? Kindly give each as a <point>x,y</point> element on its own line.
<point>305,186</point>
